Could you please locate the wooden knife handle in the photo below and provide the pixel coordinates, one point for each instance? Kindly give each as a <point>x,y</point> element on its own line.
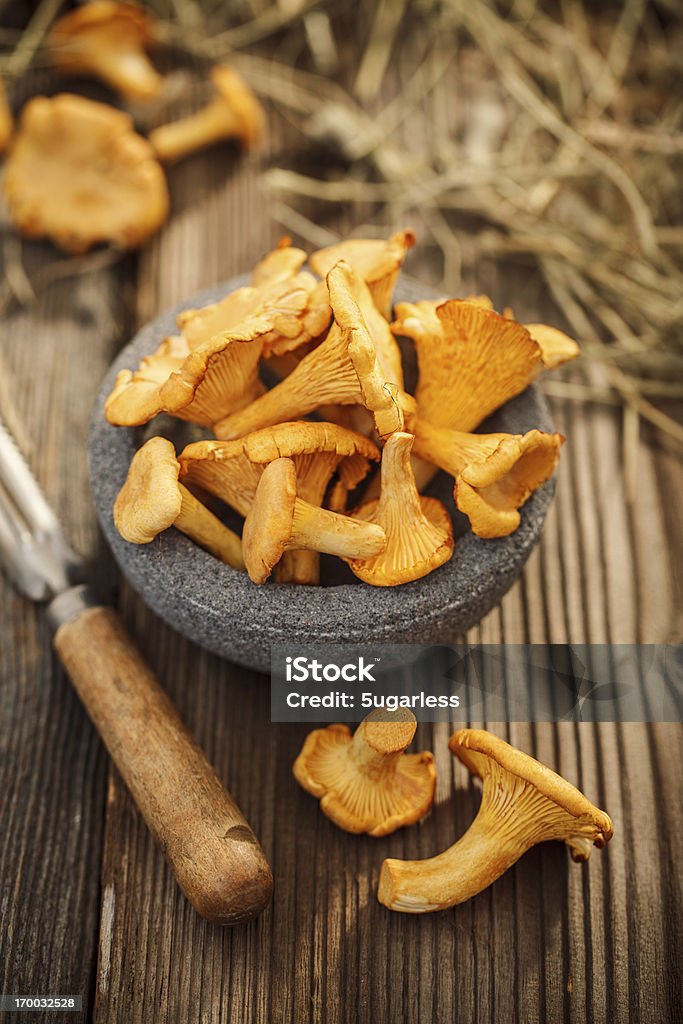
<point>213,852</point>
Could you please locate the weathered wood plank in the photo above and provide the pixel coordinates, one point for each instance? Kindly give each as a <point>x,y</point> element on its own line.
<point>52,766</point>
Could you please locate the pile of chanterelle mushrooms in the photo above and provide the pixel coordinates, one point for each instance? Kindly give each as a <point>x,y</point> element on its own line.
<point>331,341</point>
<point>77,171</point>
<point>367,783</point>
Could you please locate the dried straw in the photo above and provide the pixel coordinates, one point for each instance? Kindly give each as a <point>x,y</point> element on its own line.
<point>509,132</point>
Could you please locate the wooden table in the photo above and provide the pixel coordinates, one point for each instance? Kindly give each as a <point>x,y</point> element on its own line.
<point>88,905</point>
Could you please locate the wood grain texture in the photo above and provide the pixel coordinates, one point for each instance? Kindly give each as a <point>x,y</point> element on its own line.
<point>551,941</point>
<point>214,855</point>
<point>52,766</point>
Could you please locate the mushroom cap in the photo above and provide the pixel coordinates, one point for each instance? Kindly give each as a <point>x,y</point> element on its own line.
<point>282,263</point>
<point>418,529</point>
<point>306,437</point>
<point>217,375</point>
<point>276,304</point>
<point>556,346</point>
<point>447,343</point>
<point>268,527</point>
<point>108,14</point>
<point>223,469</point>
<point>577,821</point>
<point>378,261</point>
<point>478,363</point>
<point>379,392</point>
<point>491,490</point>
<point>150,499</point>
<point>317,450</point>
<point>310,325</point>
<point>242,103</point>
<point>135,399</point>
<point>375,799</point>
<point>80,41</point>
<point>410,553</point>
<point>78,174</point>
<point>231,470</point>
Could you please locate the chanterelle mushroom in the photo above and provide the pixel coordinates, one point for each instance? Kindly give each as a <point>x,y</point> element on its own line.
<point>152,500</point>
<point>365,781</point>
<point>494,473</point>
<point>233,113</point>
<point>378,261</point>
<point>523,803</point>
<point>213,367</point>
<point>77,173</point>
<point>107,40</point>
<point>221,468</point>
<point>352,301</point>
<point>472,361</point>
<point>231,470</point>
<point>418,529</point>
<point>556,346</point>
<point>344,369</point>
<point>284,264</point>
<point>317,451</point>
<point>280,521</point>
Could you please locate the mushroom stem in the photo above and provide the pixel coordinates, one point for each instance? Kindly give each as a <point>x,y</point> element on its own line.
<point>130,73</point>
<point>207,530</point>
<point>380,740</point>
<point>332,534</point>
<point>212,123</point>
<point>453,450</point>
<point>324,376</point>
<point>300,567</point>
<point>396,465</point>
<point>481,856</point>
<point>419,532</point>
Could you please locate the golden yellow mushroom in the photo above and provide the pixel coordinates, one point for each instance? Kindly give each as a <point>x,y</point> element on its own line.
<point>152,500</point>
<point>365,781</point>
<point>344,369</point>
<point>556,347</point>
<point>284,263</point>
<point>378,261</point>
<point>107,40</point>
<point>217,371</point>
<point>418,529</point>
<point>471,360</point>
<point>279,521</point>
<point>352,302</point>
<point>77,173</point>
<point>221,468</point>
<point>494,473</point>
<point>318,450</point>
<point>233,113</point>
<point>523,803</point>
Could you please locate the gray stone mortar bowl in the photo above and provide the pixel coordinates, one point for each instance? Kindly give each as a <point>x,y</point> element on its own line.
<point>221,609</point>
